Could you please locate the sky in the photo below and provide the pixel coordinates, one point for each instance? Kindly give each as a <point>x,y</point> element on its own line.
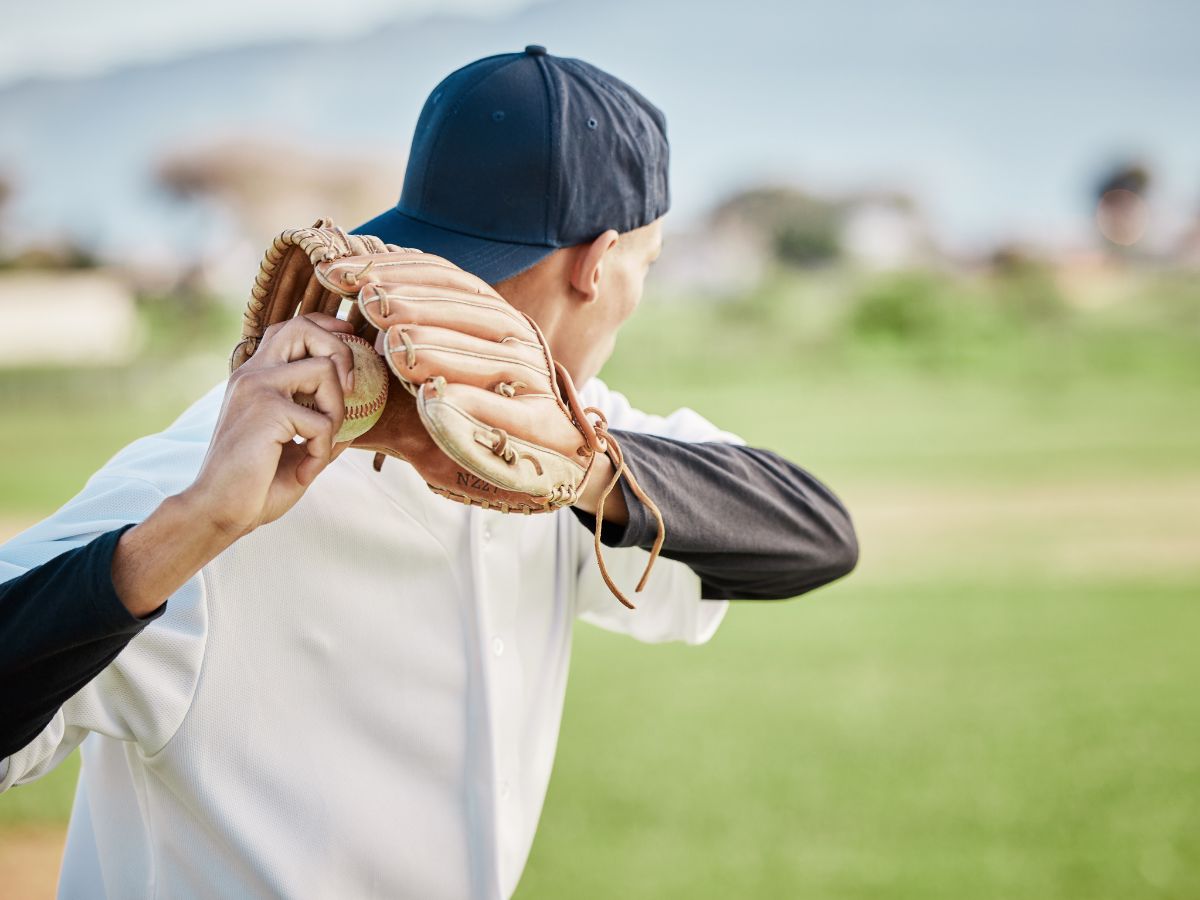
<point>74,37</point>
<point>997,118</point>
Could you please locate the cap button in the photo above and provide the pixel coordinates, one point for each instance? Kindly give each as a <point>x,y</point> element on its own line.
<point>535,50</point>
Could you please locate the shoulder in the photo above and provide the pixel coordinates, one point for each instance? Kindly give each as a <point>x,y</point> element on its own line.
<point>169,459</point>
<point>684,424</point>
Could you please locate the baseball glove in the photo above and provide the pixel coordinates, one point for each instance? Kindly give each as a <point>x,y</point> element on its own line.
<point>486,416</point>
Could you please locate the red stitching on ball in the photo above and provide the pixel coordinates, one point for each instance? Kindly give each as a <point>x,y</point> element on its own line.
<point>362,410</point>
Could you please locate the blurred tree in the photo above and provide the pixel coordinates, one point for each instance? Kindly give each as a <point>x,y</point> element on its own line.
<point>1024,287</point>
<point>800,229</point>
<point>66,255</point>
<point>909,307</point>
<point>264,186</point>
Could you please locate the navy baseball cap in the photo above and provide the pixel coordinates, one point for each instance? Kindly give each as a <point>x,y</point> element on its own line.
<point>517,155</point>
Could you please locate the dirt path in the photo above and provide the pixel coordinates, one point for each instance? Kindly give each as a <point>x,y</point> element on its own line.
<point>10,526</point>
<point>1084,529</point>
<point>29,858</point>
<point>29,854</point>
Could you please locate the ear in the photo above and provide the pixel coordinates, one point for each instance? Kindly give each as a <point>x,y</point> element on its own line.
<point>589,264</point>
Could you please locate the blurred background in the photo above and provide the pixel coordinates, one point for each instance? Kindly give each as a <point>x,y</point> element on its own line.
<point>944,255</point>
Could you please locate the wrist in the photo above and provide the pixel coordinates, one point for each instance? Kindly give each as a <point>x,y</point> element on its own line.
<point>154,558</point>
<point>208,523</point>
<point>598,479</point>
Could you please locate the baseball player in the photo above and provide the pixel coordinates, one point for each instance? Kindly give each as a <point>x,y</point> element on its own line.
<point>362,699</point>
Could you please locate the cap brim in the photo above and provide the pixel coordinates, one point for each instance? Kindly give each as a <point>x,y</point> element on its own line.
<point>492,261</point>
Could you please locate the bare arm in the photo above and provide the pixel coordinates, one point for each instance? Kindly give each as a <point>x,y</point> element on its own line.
<point>64,621</point>
<point>254,470</point>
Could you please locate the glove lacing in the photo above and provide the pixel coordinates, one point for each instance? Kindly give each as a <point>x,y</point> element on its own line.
<point>601,441</point>
<point>613,450</point>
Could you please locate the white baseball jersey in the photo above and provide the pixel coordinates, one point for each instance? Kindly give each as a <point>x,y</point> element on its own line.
<point>359,700</point>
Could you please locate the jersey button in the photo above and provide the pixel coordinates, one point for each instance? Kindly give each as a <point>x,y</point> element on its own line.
<point>498,646</point>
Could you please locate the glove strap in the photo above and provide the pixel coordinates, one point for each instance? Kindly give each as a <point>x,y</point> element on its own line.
<point>613,450</point>
<point>599,440</point>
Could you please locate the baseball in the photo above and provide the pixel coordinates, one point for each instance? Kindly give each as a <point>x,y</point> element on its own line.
<point>364,404</point>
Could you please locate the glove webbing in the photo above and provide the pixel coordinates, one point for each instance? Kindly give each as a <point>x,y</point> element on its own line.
<point>287,284</point>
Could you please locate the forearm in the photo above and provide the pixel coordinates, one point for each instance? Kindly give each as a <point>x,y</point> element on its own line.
<point>751,524</point>
<point>155,559</point>
<point>63,622</point>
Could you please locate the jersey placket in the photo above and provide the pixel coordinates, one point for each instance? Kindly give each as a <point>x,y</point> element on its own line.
<point>496,706</point>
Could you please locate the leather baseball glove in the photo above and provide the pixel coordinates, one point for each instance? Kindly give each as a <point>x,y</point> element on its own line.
<point>486,416</point>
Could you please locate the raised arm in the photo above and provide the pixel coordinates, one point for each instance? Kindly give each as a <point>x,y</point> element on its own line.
<point>750,524</point>
<point>64,621</point>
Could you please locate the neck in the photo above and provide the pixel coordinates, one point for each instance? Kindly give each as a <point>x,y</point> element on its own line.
<point>538,292</point>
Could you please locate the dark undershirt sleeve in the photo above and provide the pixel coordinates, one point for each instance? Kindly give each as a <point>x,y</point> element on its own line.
<point>61,623</point>
<point>752,525</point>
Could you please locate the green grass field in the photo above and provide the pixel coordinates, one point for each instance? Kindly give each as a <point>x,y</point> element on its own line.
<point>999,703</point>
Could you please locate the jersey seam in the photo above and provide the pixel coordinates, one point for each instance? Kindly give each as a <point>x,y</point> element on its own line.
<point>146,753</point>
<point>150,757</point>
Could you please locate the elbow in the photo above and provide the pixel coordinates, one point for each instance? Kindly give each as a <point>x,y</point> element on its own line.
<point>843,547</point>
<point>844,557</point>
<point>837,558</point>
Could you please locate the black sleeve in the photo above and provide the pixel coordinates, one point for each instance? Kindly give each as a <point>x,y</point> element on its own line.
<point>60,624</point>
<point>752,525</point>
